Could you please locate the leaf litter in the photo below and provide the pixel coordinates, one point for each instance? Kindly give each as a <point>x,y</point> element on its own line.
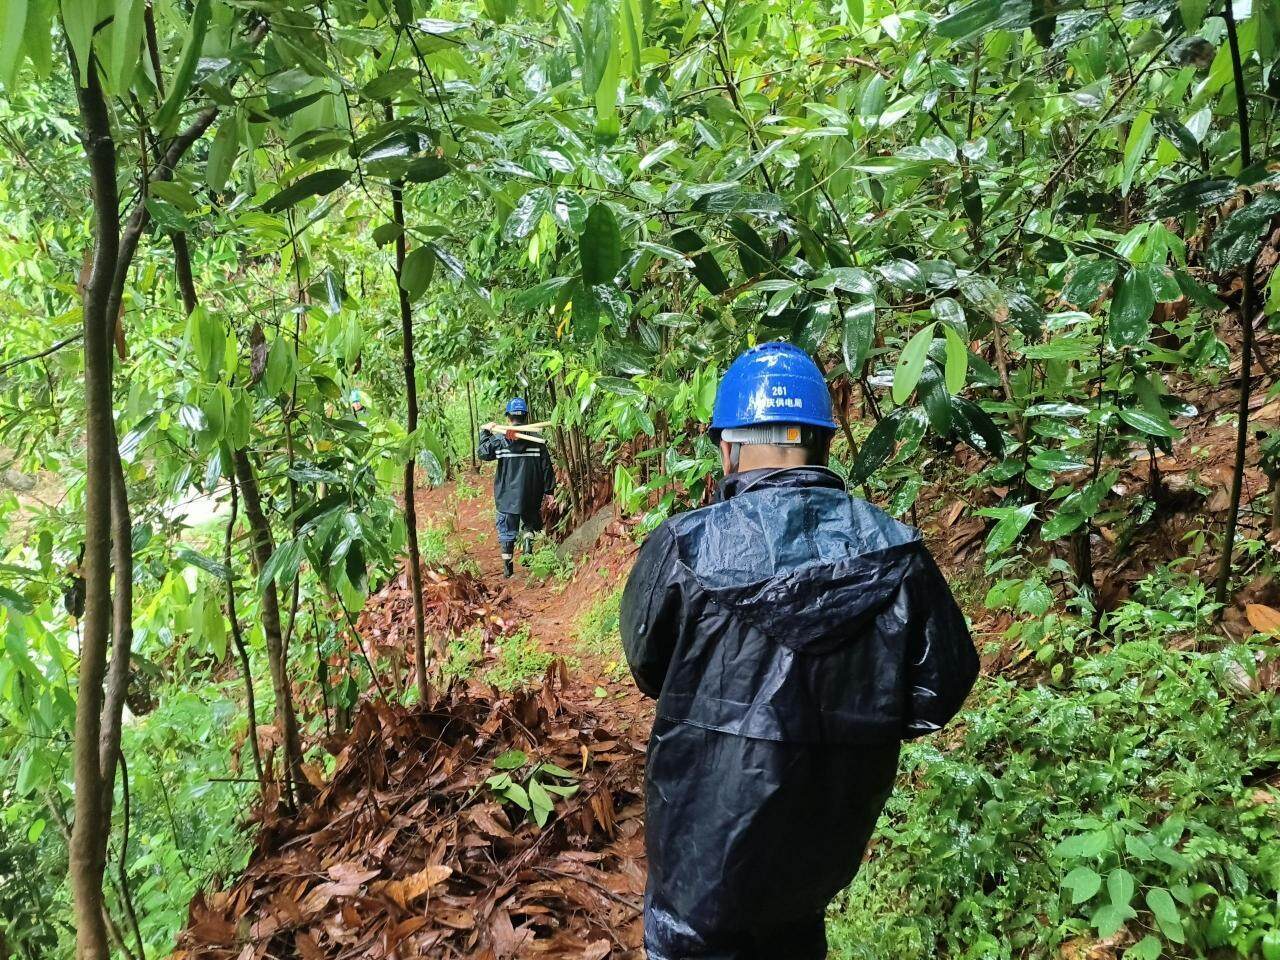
<point>406,852</point>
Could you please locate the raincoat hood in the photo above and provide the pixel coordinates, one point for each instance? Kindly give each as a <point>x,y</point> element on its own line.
<point>820,566</point>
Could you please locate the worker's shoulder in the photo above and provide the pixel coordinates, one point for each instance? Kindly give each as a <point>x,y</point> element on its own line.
<point>778,515</point>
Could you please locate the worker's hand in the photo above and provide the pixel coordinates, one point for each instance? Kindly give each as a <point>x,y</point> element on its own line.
<point>511,434</point>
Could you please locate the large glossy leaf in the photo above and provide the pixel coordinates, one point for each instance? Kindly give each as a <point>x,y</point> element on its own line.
<point>911,364</point>
<point>598,43</point>
<point>957,360</point>
<point>858,333</point>
<point>528,211</point>
<point>1131,309</point>
<point>976,427</point>
<point>877,448</point>
<point>312,185</point>
<point>419,265</point>
<point>186,69</point>
<point>705,266</point>
<point>1235,242</point>
<point>737,200</point>
<point>600,247</point>
<point>126,42</point>
<point>13,22</point>
<point>1091,280</point>
<point>984,15</point>
<point>1012,521</point>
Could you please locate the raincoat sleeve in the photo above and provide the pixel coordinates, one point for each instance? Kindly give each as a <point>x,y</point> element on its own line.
<point>650,609</point>
<point>548,471</point>
<point>489,446</point>
<point>942,663</point>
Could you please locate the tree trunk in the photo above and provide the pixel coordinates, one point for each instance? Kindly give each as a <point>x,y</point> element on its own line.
<point>241,652</point>
<point>411,424</point>
<point>1247,310</point>
<point>263,546</point>
<point>92,802</point>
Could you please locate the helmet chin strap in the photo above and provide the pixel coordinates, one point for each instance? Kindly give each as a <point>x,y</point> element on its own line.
<point>735,455</point>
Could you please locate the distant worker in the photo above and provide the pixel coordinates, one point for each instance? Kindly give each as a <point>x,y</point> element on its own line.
<point>524,476</point>
<point>793,637</point>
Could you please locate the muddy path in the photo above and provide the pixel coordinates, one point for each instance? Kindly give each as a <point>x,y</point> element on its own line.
<point>554,610</point>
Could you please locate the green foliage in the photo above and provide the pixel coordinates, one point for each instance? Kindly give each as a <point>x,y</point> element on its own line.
<point>532,787</point>
<point>597,633</point>
<point>518,661</point>
<point>465,653</point>
<point>545,562</point>
<point>1118,794</point>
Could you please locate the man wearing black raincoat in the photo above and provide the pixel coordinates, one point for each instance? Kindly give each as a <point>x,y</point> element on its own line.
<point>793,637</point>
<point>524,476</point>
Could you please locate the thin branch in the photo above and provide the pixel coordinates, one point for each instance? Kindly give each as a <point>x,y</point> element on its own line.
<point>10,364</point>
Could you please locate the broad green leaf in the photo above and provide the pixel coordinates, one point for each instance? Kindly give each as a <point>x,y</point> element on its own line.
<point>517,795</point>
<point>1009,528</point>
<point>222,153</point>
<point>13,22</point>
<point>600,248</point>
<point>705,266</point>
<point>877,448</point>
<point>633,31</point>
<point>1120,886</point>
<point>37,39</point>
<point>858,333</point>
<point>527,213</point>
<point>606,96</point>
<point>957,360</point>
<point>737,200</point>
<point>312,185</point>
<point>185,72</point>
<point>976,427</point>
<point>1135,147</point>
<point>1146,423</point>
<point>1091,280</point>
<point>658,154</point>
<point>1236,241</point>
<point>510,760</point>
<point>79,17</point>
<point>982,16</point>
<point>1166,913</point>
<point>597,43</point>
<point>1131,309</point>
<point>419,265</point>
<point>1148,948</point>
<point>1082,883</point>
<point>911,364</point>
<point>126,42</point>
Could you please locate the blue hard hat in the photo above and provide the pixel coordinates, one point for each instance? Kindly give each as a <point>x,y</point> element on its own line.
<point>517,406</point>
<point>773,382</point>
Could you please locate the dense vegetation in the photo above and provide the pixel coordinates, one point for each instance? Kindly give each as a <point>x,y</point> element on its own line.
<point>267,265</point>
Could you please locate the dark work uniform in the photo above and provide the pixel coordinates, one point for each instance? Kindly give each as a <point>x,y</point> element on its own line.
<point>524,476</point>
<point>793,637</point>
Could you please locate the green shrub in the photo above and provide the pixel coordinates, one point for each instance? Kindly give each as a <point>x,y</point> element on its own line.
<point>465,652</point>
<point>597,633</point>
<point>545,562</point>
<point>519,660</point>
<point>1122,796</point>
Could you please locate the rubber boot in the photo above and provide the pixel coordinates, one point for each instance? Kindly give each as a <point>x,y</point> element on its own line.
<point>526,549</point>
<point>508,561</point>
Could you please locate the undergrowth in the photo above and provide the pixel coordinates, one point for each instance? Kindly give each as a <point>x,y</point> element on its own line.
<point>545,562</point>
<point>598,635</point>
<point>1123,798</point>
<point>519,660</point>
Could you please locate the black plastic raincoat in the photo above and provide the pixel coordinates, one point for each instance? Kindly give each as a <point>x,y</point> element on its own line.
<point>524,475</point>
<point>793,637</point>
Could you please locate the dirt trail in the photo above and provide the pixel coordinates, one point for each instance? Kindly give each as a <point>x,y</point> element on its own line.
<point>552,610</point>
